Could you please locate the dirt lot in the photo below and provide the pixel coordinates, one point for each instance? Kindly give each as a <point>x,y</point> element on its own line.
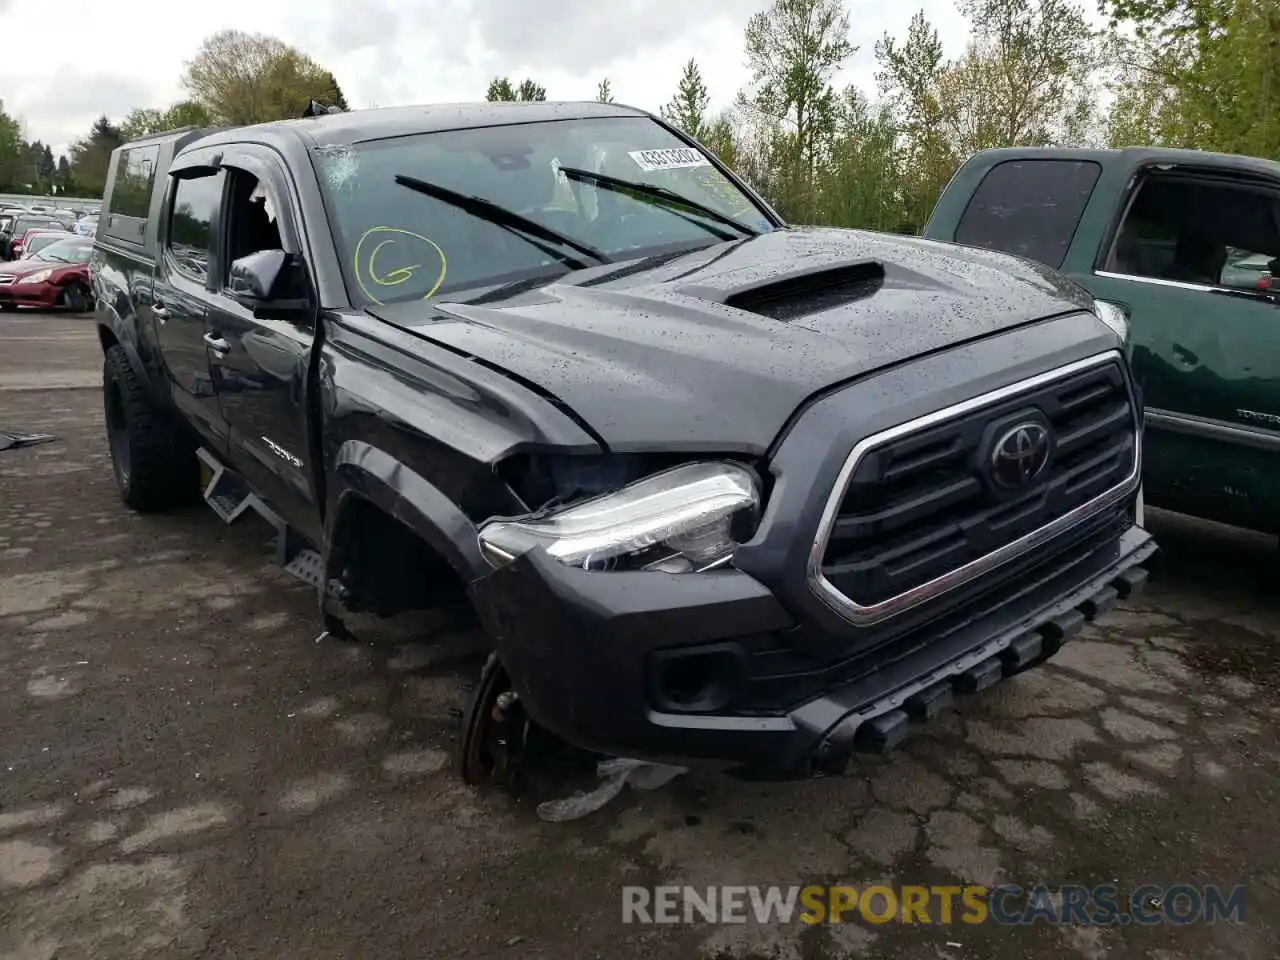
<point>186,772</point>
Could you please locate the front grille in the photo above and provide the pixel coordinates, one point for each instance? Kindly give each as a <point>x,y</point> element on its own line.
<point>920,505</point>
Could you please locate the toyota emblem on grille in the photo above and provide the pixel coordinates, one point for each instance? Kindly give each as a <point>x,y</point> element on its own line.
<point>1020,455</point>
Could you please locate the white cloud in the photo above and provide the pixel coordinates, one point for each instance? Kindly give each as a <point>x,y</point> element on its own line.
<point>388,52</point>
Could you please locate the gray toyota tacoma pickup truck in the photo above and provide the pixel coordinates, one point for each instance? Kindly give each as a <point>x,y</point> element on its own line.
<point>718,489</point>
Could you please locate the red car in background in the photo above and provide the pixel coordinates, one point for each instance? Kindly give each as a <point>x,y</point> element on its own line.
<point>18,249</point>
<point>56,276</point>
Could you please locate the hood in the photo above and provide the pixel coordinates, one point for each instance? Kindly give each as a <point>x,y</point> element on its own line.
<point>714,350</point>
<point>20,268</point>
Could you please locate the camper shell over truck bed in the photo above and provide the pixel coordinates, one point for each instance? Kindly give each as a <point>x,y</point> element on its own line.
<point>1188,243</point>
<point>717,489</point>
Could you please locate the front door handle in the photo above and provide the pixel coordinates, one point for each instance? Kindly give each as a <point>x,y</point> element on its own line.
<point>217,344</point>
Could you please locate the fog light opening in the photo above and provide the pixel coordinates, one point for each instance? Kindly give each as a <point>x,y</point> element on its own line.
<point>698,682</point>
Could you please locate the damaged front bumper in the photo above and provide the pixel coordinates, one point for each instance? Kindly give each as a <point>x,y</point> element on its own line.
<point>702,669</point>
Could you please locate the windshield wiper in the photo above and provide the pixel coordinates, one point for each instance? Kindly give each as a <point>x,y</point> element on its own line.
<point>529,229</point>
<point>661,195</point>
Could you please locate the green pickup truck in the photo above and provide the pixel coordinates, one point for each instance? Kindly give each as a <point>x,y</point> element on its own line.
<point>1184,243</point>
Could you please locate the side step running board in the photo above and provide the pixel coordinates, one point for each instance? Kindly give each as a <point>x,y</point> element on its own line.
<point>229,497</point>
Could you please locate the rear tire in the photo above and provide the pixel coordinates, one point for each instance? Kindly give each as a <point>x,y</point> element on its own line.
<point>155,465</point>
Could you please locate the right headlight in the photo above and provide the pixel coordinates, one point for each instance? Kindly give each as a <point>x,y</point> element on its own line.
<point>682,520</point>
<point>1114,316</point>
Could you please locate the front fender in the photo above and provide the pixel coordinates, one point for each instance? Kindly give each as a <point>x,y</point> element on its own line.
<point>113,330</point>
<point>364,471</point>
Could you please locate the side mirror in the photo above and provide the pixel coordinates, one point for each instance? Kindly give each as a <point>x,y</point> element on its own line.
<point>270,283</point>
<point>255,277</point>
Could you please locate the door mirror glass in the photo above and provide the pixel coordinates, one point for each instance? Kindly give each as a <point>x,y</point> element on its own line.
<point>257,276</point>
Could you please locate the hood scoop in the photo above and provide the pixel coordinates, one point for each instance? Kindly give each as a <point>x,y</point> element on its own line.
<point>805,292</point>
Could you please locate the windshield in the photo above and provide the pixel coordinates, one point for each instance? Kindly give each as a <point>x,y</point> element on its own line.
<point>37,242</point>
<point>60,250</point>
<point>400,243</point>
<point>23,224</point>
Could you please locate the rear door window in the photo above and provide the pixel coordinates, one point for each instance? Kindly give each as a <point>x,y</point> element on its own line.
<point>1029,207</point>
<point>1204,232</point>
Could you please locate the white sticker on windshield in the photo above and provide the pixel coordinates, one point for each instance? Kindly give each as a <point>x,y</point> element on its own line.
<point>671,159</point>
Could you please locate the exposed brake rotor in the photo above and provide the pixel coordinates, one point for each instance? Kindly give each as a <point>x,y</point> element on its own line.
<point>496,729</point>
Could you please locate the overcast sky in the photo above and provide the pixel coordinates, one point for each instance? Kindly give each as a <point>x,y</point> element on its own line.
<point>109,56</point>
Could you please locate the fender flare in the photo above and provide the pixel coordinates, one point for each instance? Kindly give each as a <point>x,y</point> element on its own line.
<point>108,318</point>
<point>366,472</point>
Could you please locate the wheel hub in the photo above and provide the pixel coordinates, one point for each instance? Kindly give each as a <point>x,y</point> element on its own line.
<point>496,730</point>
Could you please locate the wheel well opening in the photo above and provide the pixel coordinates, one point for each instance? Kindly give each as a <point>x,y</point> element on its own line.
<point>386,569</point>
<point>107,338</point>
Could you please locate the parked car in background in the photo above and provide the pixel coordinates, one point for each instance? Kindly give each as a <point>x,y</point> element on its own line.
<point>86,226</point>
<point>1248,270</point>
<point>1183,241</point>
<point>56,276</point>
<point>18,249</point>
<point>18,226</point>
<point>37,240</point>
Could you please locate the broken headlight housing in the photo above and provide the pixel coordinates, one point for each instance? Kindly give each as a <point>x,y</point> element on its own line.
<point>682,520</point>
<point>1117,318</point>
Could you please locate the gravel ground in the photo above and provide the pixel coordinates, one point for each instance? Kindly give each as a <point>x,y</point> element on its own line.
<point>186,771</point>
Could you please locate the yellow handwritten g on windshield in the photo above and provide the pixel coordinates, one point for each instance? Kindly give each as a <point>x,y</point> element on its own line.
<point>373,241</point>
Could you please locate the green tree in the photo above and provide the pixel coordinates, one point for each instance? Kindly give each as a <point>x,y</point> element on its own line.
<point>604,91</point>
<point>13,157</point>
<point>528,91</point>
<point>719,136</point>
<point>91,156</point>
<point>794,49</point>
<point>687,108</point>
<point>1029,76</point>
<point>1202,74</point>
<point>861,182</point>
<point>64,178</point>
<point>501,89</point>
<point>148,120</point>
<point>910,79</point>
<point>40,167</point>
<point>243,78</point>
<point>140,122</point>
<point>331,93</point>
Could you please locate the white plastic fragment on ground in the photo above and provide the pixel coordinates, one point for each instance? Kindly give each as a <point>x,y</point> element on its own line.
<point>616,774</point>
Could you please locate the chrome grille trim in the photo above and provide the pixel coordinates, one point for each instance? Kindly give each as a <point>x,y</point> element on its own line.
<point>861,615</point>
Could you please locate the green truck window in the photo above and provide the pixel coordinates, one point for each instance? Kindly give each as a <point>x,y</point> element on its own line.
<point>1029,207</point>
